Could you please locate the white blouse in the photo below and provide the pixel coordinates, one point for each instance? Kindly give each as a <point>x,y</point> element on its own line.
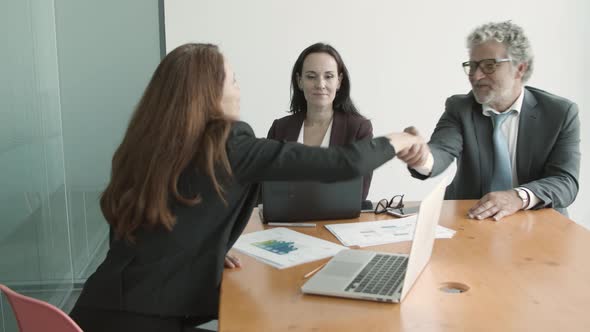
<point>325,141</point>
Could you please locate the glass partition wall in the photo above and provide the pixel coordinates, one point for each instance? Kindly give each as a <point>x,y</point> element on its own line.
<point>71,74</point>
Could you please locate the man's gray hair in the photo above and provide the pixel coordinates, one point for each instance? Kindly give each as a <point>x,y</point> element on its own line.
<point>517,44</point>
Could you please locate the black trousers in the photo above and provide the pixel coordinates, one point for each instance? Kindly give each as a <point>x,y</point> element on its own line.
<point>97,320</point>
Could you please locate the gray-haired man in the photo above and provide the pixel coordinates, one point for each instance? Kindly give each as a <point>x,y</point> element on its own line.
<point>517,147</point>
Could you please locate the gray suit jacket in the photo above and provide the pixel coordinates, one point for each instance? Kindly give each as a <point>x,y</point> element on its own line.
<point>547,152</point>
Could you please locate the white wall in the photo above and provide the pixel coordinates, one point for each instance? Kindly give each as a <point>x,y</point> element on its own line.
<point>404,58</point>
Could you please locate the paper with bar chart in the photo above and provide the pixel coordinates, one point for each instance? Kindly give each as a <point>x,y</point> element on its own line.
<point>282,247</point>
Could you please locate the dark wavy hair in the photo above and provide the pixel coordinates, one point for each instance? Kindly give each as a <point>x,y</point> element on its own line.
<point>342,101</point>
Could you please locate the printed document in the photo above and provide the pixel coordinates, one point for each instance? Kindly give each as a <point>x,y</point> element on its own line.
<point>282,247</point>
<point>372,233</point>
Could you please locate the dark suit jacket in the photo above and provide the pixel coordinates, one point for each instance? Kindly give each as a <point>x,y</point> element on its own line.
<point>178,273</point>
<point>346,128</point>
<point>547,152</point>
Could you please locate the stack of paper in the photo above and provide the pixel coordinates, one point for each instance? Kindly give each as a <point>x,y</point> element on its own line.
<point>282,247</point>
<point>372,233</point>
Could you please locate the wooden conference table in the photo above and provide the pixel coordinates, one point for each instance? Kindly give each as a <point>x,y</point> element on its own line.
<point>527,272</point>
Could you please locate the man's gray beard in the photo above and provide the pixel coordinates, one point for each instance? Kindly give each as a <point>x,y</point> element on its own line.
<point>487,99</point>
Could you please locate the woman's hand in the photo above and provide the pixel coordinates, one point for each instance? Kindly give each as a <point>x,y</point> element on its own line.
<point>404,140</point>
<point>232,261</point>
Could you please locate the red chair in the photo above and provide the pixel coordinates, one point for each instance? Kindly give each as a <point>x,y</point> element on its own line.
<point>33,315</point>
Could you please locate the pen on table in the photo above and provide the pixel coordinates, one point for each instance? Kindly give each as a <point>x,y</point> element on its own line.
<point>312,272</point>
<point>290,224</point>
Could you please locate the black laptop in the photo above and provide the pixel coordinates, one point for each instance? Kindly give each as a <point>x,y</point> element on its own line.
<point>285,201</point>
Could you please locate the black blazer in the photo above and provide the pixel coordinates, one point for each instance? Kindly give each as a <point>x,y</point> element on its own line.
<point>346,128</point>
<point>178,273</point>
<point>547,150</point>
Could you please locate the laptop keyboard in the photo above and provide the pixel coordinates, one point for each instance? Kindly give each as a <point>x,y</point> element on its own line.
<point>381,276</point>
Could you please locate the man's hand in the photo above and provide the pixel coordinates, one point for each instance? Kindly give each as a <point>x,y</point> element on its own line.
<point>497,204</point>
<point>403,141</point>
<point>232,261</point>
<point>415,155</point>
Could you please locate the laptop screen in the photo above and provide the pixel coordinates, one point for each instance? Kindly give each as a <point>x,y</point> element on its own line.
<point>288,201</point>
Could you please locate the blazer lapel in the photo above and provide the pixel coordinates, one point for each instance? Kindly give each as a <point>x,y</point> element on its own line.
<point>528,123</point>
<point>483,138</point>
<point>294,127</point>
<point>339,123</point>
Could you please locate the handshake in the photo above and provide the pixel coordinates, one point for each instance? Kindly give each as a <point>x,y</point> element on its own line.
<point>410,147</point>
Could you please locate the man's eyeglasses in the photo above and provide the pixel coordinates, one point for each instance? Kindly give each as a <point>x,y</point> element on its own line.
<point>487,66</point>
<point>395,202</point>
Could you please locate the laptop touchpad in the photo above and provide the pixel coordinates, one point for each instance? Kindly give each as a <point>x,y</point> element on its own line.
<point>342,269</point>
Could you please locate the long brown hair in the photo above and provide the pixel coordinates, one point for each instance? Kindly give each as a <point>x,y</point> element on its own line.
<point>177,124</point>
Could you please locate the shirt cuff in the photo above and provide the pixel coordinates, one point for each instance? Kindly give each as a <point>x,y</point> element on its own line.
<point>533,200</point>
<point>426,169</point>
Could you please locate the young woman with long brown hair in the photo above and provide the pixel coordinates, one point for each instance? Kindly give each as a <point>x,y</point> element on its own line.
<point>184,182</point>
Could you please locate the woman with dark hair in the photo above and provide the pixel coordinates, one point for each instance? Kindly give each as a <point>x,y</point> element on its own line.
<point>323,112</point>
<point>183,185</point>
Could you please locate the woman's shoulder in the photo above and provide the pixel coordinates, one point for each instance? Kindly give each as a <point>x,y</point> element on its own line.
<point>354,118</point>
<point>290,119</point>
<point>241,127</point>
<point>240,130</point>
<point>349,127</point>
<point>287,127</point>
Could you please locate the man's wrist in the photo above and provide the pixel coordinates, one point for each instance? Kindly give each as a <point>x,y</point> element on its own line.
<point>524,196</point>
<point>426,168</point>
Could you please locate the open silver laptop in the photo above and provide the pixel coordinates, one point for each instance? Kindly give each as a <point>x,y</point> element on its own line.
<point>384,277</point>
